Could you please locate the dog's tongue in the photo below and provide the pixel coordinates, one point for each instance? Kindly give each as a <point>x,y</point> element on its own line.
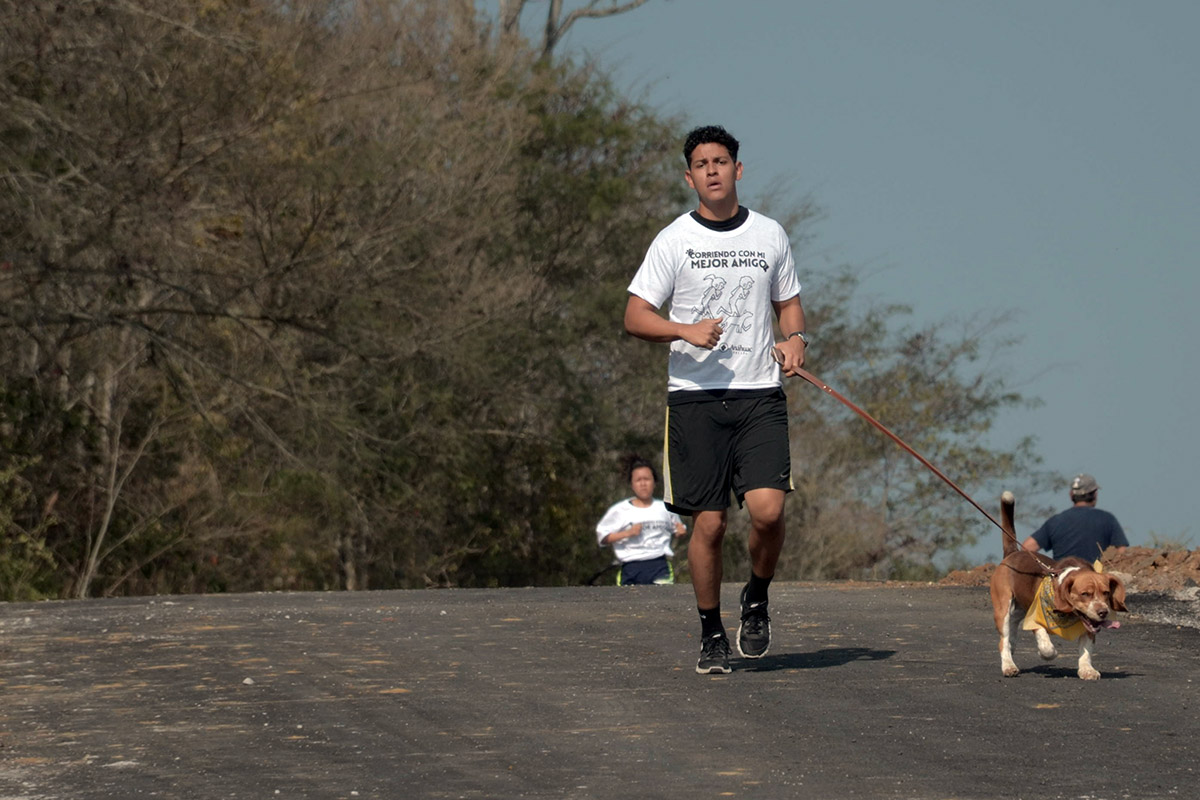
<point>1095,626</point>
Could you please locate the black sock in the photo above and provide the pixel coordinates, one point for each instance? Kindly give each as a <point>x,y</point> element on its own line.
<point>710,622</point>
<point>756,589</point>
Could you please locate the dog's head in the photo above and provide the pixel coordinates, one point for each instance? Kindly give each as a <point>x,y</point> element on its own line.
<point>1091,595</point>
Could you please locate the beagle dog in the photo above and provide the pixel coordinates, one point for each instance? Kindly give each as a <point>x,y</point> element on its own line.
<point>1067,598</point>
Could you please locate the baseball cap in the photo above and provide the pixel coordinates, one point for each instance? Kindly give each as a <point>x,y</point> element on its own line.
<point>1083,484</point>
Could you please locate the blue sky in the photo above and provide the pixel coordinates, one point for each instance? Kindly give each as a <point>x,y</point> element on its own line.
<point>976,157</point>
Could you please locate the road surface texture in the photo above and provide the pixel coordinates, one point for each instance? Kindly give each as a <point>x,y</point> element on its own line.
<point>869,691</point>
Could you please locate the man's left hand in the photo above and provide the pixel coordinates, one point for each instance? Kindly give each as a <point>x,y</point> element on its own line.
<point>790,355</point>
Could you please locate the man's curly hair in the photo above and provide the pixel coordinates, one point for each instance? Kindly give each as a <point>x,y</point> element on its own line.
<point>709,134</point>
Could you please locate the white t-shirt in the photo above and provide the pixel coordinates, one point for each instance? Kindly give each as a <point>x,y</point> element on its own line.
<point>731,274</point>
<point>658,526</point>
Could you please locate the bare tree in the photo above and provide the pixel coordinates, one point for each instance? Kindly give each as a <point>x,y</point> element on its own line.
<point>557,25</point>
<point>266,254</point>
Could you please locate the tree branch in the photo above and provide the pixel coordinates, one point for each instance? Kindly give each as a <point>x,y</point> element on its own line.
<point>556,30</point>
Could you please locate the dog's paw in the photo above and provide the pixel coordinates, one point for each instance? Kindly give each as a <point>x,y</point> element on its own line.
<point>1007,665</point>
<point>1045,645</point>
<point>1089,674</point>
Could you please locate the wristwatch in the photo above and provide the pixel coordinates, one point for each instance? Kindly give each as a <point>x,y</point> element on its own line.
<point>803,338</point>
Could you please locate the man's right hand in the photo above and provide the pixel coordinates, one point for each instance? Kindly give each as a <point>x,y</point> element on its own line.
<point>705,333</point>
<point>644,321</point>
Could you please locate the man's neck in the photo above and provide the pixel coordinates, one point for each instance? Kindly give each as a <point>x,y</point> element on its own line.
<point>721,213</point>
<point>733,223</point>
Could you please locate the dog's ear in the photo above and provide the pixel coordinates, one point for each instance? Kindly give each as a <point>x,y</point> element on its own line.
<point>1117,587</point>
<point>1062,593</point>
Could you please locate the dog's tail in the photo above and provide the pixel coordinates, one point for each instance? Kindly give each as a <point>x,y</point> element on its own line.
<point>1007,501</point>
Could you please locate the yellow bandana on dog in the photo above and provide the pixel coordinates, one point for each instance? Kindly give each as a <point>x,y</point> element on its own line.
<point>1043,614</point>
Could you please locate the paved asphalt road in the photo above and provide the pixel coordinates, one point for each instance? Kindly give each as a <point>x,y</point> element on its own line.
<point>868,692</point>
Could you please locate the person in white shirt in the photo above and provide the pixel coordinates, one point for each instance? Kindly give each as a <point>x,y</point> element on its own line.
<point>728,275</point>
<point>640,529</point>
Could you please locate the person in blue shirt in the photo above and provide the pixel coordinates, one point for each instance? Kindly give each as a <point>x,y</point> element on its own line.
<point>1083,530</point>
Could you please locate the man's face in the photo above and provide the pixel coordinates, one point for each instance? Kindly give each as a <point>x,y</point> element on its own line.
<point>713,174</point>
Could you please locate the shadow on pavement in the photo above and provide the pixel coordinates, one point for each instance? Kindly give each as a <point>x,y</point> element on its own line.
<point>821,659</point>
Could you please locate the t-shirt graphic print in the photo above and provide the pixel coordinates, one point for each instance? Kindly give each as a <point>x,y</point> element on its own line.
<point>732,275</point>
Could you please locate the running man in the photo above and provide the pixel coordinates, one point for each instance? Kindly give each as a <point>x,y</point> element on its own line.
<point>727,415</point>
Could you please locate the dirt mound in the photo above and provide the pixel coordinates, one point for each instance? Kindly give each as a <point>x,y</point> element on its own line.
<point>1145,569</point>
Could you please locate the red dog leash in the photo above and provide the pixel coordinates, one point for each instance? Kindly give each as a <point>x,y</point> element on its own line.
<point>820,384</point>
<point>808,376</point>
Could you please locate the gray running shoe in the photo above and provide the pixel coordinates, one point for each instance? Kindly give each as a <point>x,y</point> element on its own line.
<point>714,655</point>
<point>754,634</point>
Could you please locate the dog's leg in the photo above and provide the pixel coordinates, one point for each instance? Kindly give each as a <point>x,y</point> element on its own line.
<point>1007,665</point>
<point>1045,645</point>
<point>1086,670</point>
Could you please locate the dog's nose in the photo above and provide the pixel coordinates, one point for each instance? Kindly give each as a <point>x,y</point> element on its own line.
<point>1102,613</point>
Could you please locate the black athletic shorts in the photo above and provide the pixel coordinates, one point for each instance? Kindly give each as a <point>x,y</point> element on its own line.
<point>719,443</point>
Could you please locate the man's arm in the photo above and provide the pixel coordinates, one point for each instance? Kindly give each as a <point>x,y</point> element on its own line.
<point>643,321</point>
<point>790,314</point>
<point>1031,545</point>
